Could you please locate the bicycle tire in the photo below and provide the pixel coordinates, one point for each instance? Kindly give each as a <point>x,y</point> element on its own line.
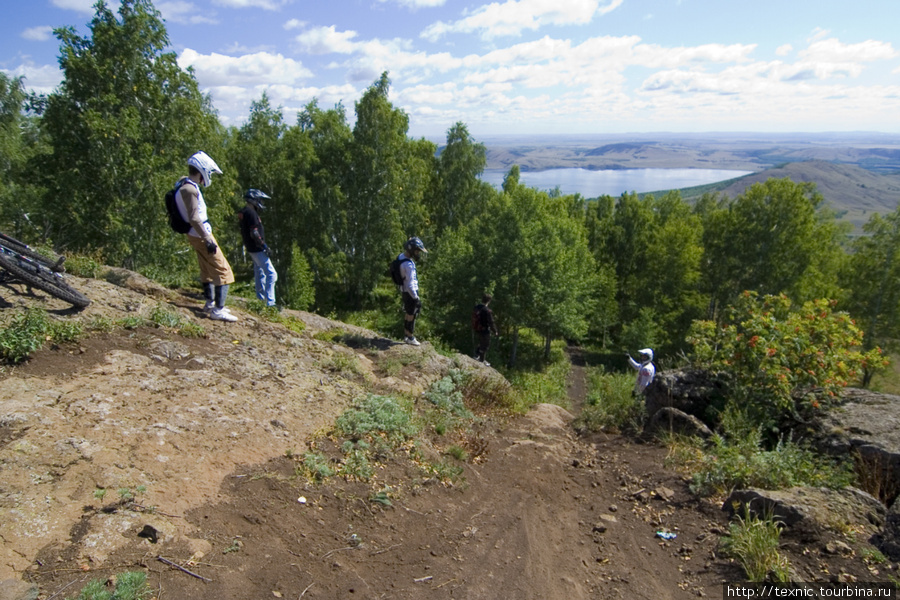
<point>42,278</point>
<point>26,250</point>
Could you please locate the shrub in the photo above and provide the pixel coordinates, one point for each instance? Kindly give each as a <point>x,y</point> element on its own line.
<point>316,466</point>
<point>380,416</point>
<point>775,354</point>
<point>726,464</point>
<point>610,403</point>
<point>754,543</point>
<point>26,332</point>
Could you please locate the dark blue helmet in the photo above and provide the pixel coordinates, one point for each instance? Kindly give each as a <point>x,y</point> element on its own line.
<point>414,244</point>
<point>255,197</point>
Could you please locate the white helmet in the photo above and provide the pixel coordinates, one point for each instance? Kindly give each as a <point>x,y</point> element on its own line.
<point>207,166</point>
<point>646,352</point>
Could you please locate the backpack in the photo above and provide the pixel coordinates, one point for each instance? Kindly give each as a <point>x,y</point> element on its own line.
<point>478,318</point>
<point>176,221</point>
<point>394,269</point>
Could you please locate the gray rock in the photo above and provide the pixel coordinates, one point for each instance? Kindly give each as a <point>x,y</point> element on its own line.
<point>14,589</point>
<point>691,391</point>
<point>811,508</point>
<point>671,420</point>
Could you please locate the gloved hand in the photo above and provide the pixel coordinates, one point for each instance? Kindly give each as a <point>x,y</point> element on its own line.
<point>211,247</point>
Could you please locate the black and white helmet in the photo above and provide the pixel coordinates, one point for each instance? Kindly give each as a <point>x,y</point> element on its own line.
<point>414,244</point>
<point>256,197</point>
<point>206,165</point>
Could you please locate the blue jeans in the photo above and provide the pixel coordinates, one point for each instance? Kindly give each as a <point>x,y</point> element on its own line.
<point>265,276</point>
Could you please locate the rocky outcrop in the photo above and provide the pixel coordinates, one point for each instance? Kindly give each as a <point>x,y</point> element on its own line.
<point>690,391</point>
<point>811,508</point>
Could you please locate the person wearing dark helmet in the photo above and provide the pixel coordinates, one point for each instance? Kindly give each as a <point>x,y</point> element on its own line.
<point>254,238</point>
<point>215,272</point>
<point>409,288</point>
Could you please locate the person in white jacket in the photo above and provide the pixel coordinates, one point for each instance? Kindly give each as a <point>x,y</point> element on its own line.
<point>412,304</point>
<point>646,370</point>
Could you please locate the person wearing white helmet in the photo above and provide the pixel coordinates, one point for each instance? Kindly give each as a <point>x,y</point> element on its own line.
<point>646,370</point>
<point>215,272</point>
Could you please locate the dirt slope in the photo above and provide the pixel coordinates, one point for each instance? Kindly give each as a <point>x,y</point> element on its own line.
<point>211,427</point>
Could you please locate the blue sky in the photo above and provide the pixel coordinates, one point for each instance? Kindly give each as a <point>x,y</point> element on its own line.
<point>525,66</point>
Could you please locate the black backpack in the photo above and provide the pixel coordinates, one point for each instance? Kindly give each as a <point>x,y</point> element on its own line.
<point>394,269</point>
<point>176,221</point>
<point>478,318</point>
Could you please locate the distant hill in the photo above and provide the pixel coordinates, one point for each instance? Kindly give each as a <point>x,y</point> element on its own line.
<point>739,151</point>
<point>855,193</point>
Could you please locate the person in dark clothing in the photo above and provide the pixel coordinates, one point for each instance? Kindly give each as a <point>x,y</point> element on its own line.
<point>255,242</point>
<point>484,326</point>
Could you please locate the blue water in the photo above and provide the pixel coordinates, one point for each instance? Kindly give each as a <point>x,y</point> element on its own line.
<point>591,184</point>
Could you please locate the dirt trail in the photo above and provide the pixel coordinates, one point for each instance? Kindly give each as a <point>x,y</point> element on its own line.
<point>215,428</point>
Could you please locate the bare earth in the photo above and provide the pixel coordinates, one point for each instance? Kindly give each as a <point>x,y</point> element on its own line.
<point>212,428</point>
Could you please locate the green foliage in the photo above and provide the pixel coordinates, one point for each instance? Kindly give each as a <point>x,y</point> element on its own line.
<point>754,543</point>
<point>873,274</point>
<point>536,387</point>
<point>316,466</point>
<point>728,463</point>
<point>610,403</point>
<point>299,290</point>
<point>130,585</point>
<point>163,317</point>
<point>26,331</point>
<point>653,247</point>
<point>82,265</point>
<point>777,355</point>
<point>377,416</point>
<point>776,237</point>
<point>121,126</point>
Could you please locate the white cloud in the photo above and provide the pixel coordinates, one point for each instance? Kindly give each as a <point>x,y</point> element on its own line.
<point>325,40</point>
<point>833,51</point>
<point>784,50</point>
<point>416,3</point>
<point>182,11</point>
<point>263,4</point>
<point>38,34</point>
<point>294,24</point>
<point>513,16</point>
<point>40,78</point>
<point>250,69</point>
<point>82,6</point>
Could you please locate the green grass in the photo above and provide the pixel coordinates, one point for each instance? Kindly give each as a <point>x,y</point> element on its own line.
<point>753,542</point>
<point>609,403</point>
<point>724,464</point>
<point>131,585</point>
<point>26,332</point>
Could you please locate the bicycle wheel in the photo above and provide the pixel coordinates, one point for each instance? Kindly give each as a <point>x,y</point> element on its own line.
<point>26,250</point>
<point>41,277</point>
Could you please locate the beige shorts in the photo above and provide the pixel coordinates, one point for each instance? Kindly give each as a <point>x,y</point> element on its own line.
<point>214,268</point>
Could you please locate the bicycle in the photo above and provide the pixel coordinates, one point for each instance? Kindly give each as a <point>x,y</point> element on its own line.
<point>19,263</point>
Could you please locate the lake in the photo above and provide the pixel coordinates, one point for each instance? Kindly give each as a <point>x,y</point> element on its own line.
<point>591,184</point>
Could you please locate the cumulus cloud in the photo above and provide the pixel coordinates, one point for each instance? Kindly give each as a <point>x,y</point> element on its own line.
<point>833,51</point>
<point>294,24</point>
<point>182,11</point>
<point>42,79</point>
<point>263,4</point>
<point>326,40</point>
<point>416,3</point>
<point>38,34</point>
<point>514,16</point>
<point>784,50</point>
<point>261,68</point>
<point>83,6</point>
